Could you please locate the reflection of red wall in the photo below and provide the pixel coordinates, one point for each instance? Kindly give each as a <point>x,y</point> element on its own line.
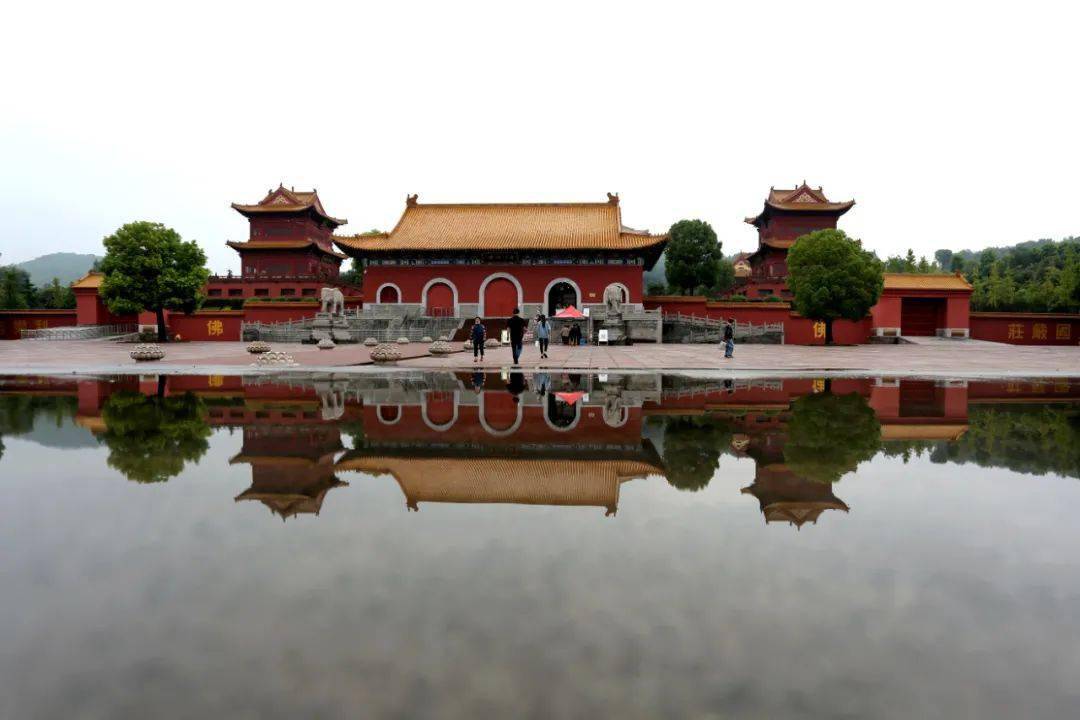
<point>1026,328</point>
<point>12,321</point>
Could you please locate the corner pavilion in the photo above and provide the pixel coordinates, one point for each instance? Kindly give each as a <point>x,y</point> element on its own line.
<point>463,260</point>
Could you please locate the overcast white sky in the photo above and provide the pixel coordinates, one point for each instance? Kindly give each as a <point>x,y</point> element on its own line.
<point>951,124</point>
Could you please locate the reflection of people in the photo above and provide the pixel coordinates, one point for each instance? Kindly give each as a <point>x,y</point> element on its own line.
<point>729,338</point>
<point>516,325</point>
<point>478,335</point>
<point>542,380</point>
<point>516,385</point>
<point>543,333</point>
<point>478,381</point>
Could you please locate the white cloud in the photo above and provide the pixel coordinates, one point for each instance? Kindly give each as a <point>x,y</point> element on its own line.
<point>951,124</point>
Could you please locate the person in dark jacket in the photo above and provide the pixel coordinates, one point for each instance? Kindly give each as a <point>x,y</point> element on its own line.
<point>516,325</point>
<point>543,334</point>
<point>729,338</point>
<point>477,336</point>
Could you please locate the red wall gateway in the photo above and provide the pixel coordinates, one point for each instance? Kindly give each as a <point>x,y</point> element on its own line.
<point>440,300</point>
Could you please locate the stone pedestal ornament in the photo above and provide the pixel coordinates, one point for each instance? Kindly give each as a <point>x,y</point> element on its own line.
<point>385,353</point>
<point>440,347</point>
<point>371,342</point>
<point>258,347</point>
<point>426,339</point>
<point>492,343</point>
<point>147,353</point>
<point>274,359</point>
<point>326,344</point>
<point>403,341</point>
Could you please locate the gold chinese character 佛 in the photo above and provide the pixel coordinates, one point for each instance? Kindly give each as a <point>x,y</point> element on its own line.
<point>819,330</point>
<point>215,327</point>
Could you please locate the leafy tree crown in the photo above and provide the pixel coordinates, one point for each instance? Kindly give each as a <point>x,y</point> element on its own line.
<point>831,276</point>
<point>148,266</point>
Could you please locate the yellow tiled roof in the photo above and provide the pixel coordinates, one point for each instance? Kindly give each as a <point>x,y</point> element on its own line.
<point>925,281</point>
<point>285,200</point>
<point>510,226</point>
<point>802,198</point>
<point>92,279</point>
<point>280,245</point>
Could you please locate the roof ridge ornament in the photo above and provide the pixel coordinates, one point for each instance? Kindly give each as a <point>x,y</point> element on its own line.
<point>613,199</point>
<point>411,200</point>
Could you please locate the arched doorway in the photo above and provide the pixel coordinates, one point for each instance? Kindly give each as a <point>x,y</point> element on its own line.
<point>561,295</point>
<point>500,298</point>
<point>561,415</point>
<point>389,293</point>
<point>440,300</point>
<point>439,410</point>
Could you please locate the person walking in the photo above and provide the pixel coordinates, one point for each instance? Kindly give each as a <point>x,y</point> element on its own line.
<point>729,339</point>
<point>478,335</point>
<point>565,334</point>
<point>543,334</point>
<point>516,325</point>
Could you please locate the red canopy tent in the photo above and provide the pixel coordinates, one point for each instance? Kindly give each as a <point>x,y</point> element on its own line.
<point>570,313</point>
<point>570,398</point>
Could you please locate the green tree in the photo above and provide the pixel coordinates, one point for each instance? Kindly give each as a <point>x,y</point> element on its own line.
<point>56,296</point>
<point>16,290</point>
<point>909,261</point>
<point>944,259</point>
<point>150,267</point>
<point>151,438</point>
<point>831,276</point>
<point>829,435</point>
<point>693,257</point>
<point>725,279</point>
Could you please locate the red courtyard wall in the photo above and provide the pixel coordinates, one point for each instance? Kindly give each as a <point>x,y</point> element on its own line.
<point>1026,328</point>
<point>13,321</point>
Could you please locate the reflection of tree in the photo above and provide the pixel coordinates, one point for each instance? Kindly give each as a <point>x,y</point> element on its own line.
<point>1028,439</point>
<point>829,435</point>
<point>19,413</point>
<point>692,448</point>
<point>150,439</point>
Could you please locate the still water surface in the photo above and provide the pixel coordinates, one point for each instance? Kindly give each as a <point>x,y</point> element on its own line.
<point>439,545</point>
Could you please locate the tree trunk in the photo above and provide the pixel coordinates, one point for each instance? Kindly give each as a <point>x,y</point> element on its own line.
<point>828,332</point>
<point>161,380</point>
<point>162,333</point>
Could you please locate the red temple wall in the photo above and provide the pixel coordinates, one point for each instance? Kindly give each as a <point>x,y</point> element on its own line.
<point>14,321</point>
<point>91,310</point>
<point>207,325</point>
<point>789,227</point>
<point>591,279</point>
<point>1026,328</point>
<point>279,228</point>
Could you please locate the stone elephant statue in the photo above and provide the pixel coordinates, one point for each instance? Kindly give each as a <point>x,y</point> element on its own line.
<point>333,301</point>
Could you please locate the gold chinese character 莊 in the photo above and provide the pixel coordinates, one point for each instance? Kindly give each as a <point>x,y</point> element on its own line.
<point>1016,331</point>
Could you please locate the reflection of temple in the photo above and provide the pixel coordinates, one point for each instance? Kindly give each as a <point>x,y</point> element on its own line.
<point>786,497</point>
<point>563,440</point>
<point>292,467</point>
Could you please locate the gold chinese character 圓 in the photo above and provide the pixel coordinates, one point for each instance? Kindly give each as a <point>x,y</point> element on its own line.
<point>1063,331</point>
<point>1016,331</point>
<point>215,327</point>
<point>819,330</point>
<point>1038,331</point>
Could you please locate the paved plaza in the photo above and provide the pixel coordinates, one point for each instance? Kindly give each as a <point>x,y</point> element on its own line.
<point>930,356</point>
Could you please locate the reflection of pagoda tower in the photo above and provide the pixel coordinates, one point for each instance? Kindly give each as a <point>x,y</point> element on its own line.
<point>292,467</point>
<point>786,497</point>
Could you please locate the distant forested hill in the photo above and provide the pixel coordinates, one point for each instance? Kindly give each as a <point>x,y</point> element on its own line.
<point>67,267</point>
